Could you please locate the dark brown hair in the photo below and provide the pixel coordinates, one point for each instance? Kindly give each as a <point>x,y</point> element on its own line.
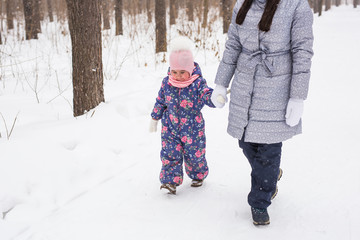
<point>266,18</point>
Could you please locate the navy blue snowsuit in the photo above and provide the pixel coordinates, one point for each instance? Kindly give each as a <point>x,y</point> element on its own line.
<point>183,129</point>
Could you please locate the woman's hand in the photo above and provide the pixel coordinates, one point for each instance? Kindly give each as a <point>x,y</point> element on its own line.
<point>294,111</point>
<point>218,97</point>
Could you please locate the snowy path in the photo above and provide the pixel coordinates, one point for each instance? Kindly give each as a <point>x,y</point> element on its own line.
<point>318,194</point>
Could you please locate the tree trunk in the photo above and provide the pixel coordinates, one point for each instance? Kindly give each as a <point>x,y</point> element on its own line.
<point>37,16</point>
<point>61,10</point>
<point>85,31</point>
<point>310,3</point>
<point>148,10</point>
<point>50,10</point>
<point>337,2</point>
<point>9,15</point>
<point>177,7</point>
<point>160,26</point>
<point>172,12</point>
<point>41,10</point>
<point>205,13</point>
<point>118,17</point>
<point>190,10</point>
<point>320,5</point>
<point>105,14</point>
<point>316,8</point>
<point>226,6</point>
<point>327,4</point>
<point>221,8</point>
<point>356,2</point>
<point>30,27</point>
<point>140,8</point>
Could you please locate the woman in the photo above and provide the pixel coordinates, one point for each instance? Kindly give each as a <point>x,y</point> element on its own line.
<point>268,52</point>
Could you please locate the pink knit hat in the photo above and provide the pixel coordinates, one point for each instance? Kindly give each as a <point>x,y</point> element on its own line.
<point>181,57</point>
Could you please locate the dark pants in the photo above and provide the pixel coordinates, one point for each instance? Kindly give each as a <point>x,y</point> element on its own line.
<point>265,162</point>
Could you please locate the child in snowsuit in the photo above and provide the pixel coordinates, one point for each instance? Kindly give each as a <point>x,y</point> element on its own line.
<point>182,95</point>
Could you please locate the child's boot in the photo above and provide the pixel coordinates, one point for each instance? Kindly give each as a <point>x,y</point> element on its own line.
<point>170,187</point>
<point>260,216</point>
<point>197,183</point>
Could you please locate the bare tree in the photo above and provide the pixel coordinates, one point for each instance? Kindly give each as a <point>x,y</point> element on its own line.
<point>30,26</point>
<point>226,9</point>
<point>105,14</point>
<point>85,31</point>
<point>160,26</point>
<point>41,10</point>
<point>37,15</point>
<point>9,14</point>
<point>320,5</point>
<point>311,3</point>
<point>61,10</point>
<point>148,10</point>
<point>327,5</point>
<point>172,12</point>
<point>118,17</point>
<point>177,7</point>
<point>190,10</point>
<point>50,10</point>
<point>315,6</point>
<point>205,13</point>
<point>140,6</point>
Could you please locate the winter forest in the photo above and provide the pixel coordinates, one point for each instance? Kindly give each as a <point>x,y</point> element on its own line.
<point>78,81</point>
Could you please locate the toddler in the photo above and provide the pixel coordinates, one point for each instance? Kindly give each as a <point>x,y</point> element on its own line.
<point>182,95</point>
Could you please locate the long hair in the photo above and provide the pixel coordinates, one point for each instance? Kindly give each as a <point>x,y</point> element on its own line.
<point>266,18</point>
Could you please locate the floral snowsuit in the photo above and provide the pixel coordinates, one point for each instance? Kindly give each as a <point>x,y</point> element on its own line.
<point>183,129</point>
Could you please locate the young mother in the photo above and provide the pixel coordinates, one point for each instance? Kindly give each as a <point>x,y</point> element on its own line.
<point>268,52</point>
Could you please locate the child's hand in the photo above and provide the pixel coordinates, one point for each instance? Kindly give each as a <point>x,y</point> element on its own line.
<point>153,125</point>
<point>218,96</point>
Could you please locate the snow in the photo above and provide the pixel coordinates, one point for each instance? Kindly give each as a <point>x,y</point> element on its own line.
<point>96,176</point>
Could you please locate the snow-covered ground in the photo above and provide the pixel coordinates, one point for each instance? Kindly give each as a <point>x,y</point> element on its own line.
<point>96,176</point>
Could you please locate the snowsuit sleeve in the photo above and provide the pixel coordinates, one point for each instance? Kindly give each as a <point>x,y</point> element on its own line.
<point>301,48</point>
<point>159,106</point>
<point>205,93</point>
<point>233,48</point>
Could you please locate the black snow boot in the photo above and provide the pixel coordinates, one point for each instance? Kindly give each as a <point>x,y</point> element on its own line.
<point>260,216</point>
<point>170,187</point>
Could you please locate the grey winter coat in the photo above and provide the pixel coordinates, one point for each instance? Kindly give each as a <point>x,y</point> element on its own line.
<point>268,69</point>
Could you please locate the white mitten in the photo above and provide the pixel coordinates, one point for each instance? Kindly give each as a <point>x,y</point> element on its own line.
<point>153,125</point>
<point>294,111</point>
<point>218,97</point>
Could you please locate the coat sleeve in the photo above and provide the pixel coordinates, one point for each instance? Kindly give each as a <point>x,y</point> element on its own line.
<point>301,47</point>
<point>233,48</point>
<point>160,105</point>
<point>205,93</point>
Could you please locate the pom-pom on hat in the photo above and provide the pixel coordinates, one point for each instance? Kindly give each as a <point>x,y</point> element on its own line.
<point>181,57</point>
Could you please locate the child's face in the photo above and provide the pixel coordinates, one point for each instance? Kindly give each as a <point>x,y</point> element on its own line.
<point>180,75</point>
